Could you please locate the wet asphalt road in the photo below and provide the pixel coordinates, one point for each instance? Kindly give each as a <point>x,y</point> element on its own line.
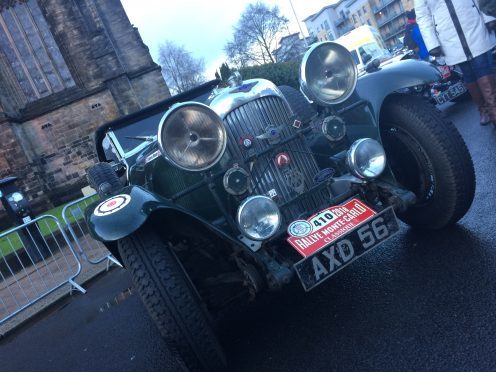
<point>421,301</point>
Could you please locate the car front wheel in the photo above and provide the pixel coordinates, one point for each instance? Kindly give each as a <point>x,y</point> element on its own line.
<point>172,300</point>
<point>428,157</point>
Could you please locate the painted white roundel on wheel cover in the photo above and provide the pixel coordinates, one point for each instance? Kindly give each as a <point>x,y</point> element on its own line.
<point>112,205</point>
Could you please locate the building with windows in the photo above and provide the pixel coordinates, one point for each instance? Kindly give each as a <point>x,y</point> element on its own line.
<point>360,13</point>
<point>344,20</point>
<point>291,48</point>
<point>333,21</point>
<point>391,18</point>
<point>66,67</point>
<point>322,25</point>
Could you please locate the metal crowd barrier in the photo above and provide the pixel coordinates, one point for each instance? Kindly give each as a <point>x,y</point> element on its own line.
<point>90,249</point>
<point>35,259</point>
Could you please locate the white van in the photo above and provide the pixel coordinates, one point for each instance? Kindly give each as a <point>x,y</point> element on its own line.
<point>365,44</point>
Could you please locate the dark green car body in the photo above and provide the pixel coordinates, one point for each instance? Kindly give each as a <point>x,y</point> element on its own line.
<point>159,190</point>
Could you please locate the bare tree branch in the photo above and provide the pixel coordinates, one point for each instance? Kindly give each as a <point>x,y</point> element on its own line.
<point>256,35</point>
<point>180,69</point>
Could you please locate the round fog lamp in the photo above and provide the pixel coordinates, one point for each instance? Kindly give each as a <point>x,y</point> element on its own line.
<point>334,128</point>
<point>366,158</point>
<point>236,181</point>
<point>258,217</point>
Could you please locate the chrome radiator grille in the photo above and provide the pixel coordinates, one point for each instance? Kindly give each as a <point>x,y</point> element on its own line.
<point>251,120</point>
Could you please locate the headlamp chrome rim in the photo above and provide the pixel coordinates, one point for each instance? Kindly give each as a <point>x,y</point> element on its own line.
<point>250,200</point>
<point>173,109</point>
<point>305,86</point>
<point>352,161</point>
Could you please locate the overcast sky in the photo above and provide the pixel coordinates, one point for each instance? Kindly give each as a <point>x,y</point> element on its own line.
<point>202,26</point>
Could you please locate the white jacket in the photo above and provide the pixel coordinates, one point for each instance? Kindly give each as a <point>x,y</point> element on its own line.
<point>457,26</point>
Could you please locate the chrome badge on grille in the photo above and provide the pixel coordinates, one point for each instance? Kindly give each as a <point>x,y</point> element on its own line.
<point>246,140</point>
<point>253,132</point>
<point>272,134</point>
<point>295,180</point>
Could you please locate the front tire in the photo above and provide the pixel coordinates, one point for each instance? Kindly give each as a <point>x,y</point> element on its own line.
<point>171,300</point>
<point>428,157</point>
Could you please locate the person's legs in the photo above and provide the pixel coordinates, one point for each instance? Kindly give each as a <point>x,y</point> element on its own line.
<point>470,79</point>
<point>483,70</point>
<point>478,98</point>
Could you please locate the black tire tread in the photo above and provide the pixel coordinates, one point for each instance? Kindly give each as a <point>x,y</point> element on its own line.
<point>434,132</point>
<point>171,300</point>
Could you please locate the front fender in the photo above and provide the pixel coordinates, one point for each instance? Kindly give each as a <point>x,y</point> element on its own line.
<point>139,205</point>
<point>119,222</point>
<point>376,86</point>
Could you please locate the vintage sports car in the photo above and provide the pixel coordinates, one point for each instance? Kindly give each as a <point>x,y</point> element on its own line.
<point>217,194</point>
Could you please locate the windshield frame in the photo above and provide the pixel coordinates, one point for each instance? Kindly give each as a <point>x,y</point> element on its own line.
<point>122,153</point>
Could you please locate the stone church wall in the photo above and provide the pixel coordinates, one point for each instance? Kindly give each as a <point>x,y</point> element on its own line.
<point>48,143</point>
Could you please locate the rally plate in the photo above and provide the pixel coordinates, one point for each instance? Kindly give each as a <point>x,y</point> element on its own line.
<point>315,269</point>
<point>321,229</point>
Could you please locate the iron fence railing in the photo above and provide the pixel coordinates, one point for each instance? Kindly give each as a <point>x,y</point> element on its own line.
<point>90,249</point>
<point>35,259</point>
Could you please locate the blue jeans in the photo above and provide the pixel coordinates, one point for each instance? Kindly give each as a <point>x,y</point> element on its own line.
<point>478,67</point>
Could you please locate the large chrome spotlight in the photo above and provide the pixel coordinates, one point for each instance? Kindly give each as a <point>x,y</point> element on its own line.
<point>328,73</point>
<point>366,158</point>
<point>192,136</point>
<point>258,217</point>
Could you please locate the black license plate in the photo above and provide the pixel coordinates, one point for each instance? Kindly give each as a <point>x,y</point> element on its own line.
<point>454,91</point>
<point>315,269</point>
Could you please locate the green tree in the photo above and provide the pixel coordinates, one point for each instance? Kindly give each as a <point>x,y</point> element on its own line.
<point>283,73</point>
<point>225,72</point>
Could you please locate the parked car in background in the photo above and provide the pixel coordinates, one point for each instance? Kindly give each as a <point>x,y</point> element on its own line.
<point>216,195</point>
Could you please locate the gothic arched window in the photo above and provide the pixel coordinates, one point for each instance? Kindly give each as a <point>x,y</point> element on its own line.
<point>29,46</point>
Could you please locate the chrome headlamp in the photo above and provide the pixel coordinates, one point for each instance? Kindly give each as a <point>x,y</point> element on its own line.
<point>192,136</point>
<point>258,217</point>
<point>328,73</point>
<point>366,158</point>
